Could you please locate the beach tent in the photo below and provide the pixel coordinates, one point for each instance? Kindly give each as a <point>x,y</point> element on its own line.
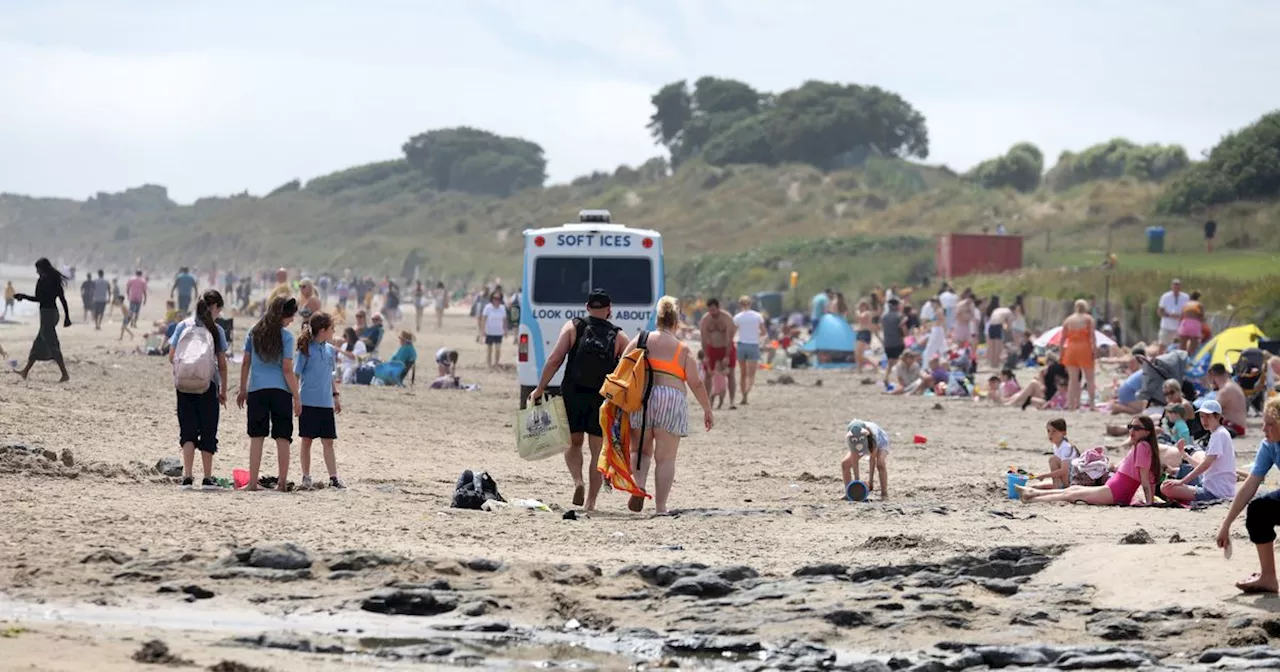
<point>832,342</point>
<point>1224,348</point>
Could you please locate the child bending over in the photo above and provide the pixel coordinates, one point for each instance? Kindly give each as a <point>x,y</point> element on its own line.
<point>867,438</point>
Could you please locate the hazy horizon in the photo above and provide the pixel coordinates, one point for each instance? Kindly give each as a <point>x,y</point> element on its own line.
<point>217,99</point>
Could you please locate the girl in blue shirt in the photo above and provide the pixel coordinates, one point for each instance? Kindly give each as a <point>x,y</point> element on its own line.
<point>314,366</point>
<point>270,388</point>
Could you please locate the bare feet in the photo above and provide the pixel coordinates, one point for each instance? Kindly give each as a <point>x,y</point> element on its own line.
<point>579,494</point>
<point>1256,584</point>
<point>252,487</point>
<point>636,503</point>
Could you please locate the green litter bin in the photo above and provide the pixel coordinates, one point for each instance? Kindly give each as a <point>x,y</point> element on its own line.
<point>1155,239</point>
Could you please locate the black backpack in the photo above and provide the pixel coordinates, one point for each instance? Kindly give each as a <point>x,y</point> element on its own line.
<point>595,353</point>
<point>474,489</point>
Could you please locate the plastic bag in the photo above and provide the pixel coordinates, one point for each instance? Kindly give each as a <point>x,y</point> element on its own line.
<point>542,429</point>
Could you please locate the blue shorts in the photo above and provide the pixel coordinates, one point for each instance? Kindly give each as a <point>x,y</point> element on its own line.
<point>492,340</point>
<point>135,307</point>
<point>748,352</point>
<point>1203,495</point>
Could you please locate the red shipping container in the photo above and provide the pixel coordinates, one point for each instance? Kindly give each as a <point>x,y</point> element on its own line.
<point>961,254</point>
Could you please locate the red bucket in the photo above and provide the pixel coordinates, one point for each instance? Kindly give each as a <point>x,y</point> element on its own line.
<point>919,439</point>
<point>240,477</point>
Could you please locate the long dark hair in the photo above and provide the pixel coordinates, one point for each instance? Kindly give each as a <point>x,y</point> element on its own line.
<point>46,270</point>
<point>1150,426</point>
<point>351,338</point>
<point>204,315</point>
<point>318,323</point>
<point>267,341</point>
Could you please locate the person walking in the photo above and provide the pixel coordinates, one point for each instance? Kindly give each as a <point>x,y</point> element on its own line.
<point>674,372</point>
<point>101,297</point>
<point>86,295</point>
<point>10,296</point>
<point>750,329</point>
<point>1170,308</point>
<point>136,289</point>
<point>591,348</point>
<point>50,289</point>
<point>186,286</point>
<point>1080,336</point>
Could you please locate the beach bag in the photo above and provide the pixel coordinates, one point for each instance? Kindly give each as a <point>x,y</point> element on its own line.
<point>594,353</point>
<point>1090,468</point>
<point>364,374</point>
<point>628,386</point>
<point>542,429</point>
<point>194,360</point>
<point>474,489</point>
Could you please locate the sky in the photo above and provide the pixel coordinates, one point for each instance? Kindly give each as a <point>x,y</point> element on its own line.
<point>215,98</point>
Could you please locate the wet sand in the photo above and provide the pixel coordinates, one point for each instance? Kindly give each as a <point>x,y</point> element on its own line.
<point>761,491</point>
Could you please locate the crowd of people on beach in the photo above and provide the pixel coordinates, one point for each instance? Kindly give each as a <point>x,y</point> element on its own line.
<point>1178,440</point>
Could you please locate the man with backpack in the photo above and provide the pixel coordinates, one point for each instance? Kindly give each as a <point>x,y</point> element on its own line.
<point>590,349</point>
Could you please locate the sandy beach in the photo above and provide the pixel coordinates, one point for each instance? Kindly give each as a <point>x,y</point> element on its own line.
<point>762,558</point>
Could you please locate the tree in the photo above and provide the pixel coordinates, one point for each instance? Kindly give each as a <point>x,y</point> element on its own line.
<point>819,121</point>
<point>712,95</point>
<point>1245,165</point>
<point>1114,159</point>
<point>673,108</point>
<point>1019,168</point>
<point>477,161</point>
<point>746,141</point>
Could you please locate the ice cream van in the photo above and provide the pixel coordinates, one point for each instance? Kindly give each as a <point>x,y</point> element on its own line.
<point>562,264</point>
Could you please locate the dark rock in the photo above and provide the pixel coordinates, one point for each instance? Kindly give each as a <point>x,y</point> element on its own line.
<point>928,666</point>
<point>964,661</point>
<point>68,458</point>
<point>1271,626</point>
<point>279,555</point>
<point>402,602</point>
<point>234,666</point>
<point>1102,661</point>
<point>1031,565</point>
<point>357,561</point>
<point>134,575</point>
<point>949,605</point>
<point>867,666</point>
<point>483,565</point>
<point>1176,539</point>
<point>1114,628</point>
<point>342,575</point>
<point>889,606</point>
<point>436,584</point>
<point>261,574</point>
<point>1248,637</point>
<point>1212,656</point>
<point>474,609</point>
<point>927,579</point>
<point>847,618</point>
<point>999,586</point>
<point>711,645</point>
<point>702,585</point>
<point>567,575</point>
<point>1011,656</point>
<point>1240,622</point>
<point>636,633</point>
<point>106,555</point>
<point>1138,536</point>
<point>170,466</point>
<point>156,652</point>
<point>887,572</point>
<point>996,569</point>
<point>822,569</point>
<point>796,655</point>
<point>197,592</point>
<point>664,575</point>
<point>736,573</point>
<point>1171,629</point>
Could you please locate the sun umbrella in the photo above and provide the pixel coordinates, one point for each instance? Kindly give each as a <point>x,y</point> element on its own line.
<point>1054,337</point>
<point>1221,349</point>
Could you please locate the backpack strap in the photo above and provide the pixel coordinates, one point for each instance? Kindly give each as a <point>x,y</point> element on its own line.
<point>642,343</point>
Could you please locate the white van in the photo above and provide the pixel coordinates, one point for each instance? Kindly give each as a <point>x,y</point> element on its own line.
<point>563,264</point>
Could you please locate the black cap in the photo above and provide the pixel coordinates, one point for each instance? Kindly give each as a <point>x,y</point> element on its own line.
<point>597,299</point>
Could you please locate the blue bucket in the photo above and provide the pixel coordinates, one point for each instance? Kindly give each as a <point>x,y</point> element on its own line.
<point>856,491</point>
<point>1013,481</point>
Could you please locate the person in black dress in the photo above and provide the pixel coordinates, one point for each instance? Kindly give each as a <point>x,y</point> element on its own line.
<point>49,290</point>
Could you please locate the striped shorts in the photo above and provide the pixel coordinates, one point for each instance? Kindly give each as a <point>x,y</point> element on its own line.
<point>668,410</point>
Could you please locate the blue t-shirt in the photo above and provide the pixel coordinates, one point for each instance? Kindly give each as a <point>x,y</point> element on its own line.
<point>407,353</point>
<point>1129,389</point>
<point>819,307</point>
<point>269,375</point>
<point>1268,456</point>
<point>315,375</point>
<point>182,326</point>
<point>185,283</point>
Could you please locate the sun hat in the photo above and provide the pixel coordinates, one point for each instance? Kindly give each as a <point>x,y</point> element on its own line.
<point>406,336</point>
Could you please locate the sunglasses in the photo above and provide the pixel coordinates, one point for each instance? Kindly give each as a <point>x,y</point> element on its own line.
<point>1137,428</point>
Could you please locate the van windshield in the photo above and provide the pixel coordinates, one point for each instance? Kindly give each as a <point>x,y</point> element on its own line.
<point>568,280</point>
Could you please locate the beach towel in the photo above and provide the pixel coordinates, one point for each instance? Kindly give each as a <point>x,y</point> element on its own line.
<point>613,464</point>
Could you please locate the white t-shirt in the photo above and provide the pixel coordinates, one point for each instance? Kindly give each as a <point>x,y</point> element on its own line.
<point>1220,478</point>
<point>748,323</point>
<point>927,313</point>
<point>1065,451</point>
<point>349,365</point>
<point>1173,306</point>
<point>495,320</point>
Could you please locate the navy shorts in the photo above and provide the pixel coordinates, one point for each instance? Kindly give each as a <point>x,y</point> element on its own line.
<point>317,422</point>
<point>492,340</point>
<point>270,413</point>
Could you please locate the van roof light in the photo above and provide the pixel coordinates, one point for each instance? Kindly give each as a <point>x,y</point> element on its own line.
<point>600,216</point>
